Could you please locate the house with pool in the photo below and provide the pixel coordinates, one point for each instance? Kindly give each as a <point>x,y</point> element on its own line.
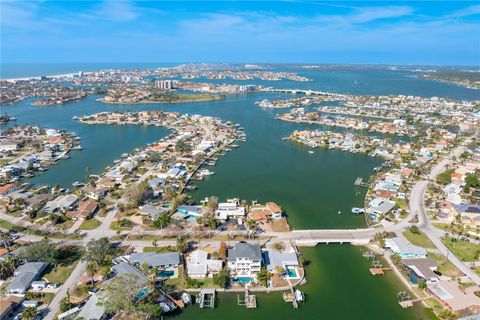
<point>166,263</point>
<point>284,263</point>
<point>244,262</point>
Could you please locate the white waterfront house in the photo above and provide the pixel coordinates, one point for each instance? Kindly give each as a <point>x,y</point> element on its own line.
<point>229,209</point>
<point>245,260</point>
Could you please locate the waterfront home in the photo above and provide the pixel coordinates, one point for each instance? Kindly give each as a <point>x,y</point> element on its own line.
<point>380,207</point>
<point>95,193</point>
<point>204,147</point>
<point>229,209</point>
<point>122,268</point>
<point>285,262</point>
<point>406,250</point>
<point>245,260</point>
<point>201,265</point>
<point>195,211</point>
<point>455,298</point>
<point>105,183</point>
<point>155,260</point>
<point>63,202</point>
<point>151,210</point>
<point>24,275</point>
<point>423,268</point>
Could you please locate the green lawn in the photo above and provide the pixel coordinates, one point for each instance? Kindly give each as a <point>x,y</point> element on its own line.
<point>440,225</point>
<point>464,251</point>
<point>419,239</point>
<point>160,249</point>
<point>59,275</point>
<point>445,266</point>
<point>90,224</point>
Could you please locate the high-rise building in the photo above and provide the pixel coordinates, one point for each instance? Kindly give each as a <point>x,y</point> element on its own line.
<point>165,84</point>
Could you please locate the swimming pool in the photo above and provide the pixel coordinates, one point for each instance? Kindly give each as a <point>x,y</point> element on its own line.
<point>244,279</point>
<point>165,273</point>
<point>291,272</point>
<point>141,294</point>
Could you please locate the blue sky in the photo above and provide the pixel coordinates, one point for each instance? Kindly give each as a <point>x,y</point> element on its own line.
<point>407,32</point>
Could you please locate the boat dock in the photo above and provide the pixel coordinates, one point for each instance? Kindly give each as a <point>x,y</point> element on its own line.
<point>379,271</point>
<point>359,183</point>
<point>290,296</point>
<point>206,298</point>
<point>249,301</point>
<point>409,303</point>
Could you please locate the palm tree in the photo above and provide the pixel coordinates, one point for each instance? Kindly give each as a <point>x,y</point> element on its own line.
<point>91,270</point>
<point>155,245</point>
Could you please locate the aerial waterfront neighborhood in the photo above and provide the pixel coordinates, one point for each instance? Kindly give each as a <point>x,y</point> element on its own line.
<point>136,225</point>
<point>322,163</point>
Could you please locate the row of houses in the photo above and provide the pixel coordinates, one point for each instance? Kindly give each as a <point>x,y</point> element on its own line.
<point>448,291</point>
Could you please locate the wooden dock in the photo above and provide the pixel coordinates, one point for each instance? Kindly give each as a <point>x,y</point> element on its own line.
<point>359,183</point>
<point>206,298</point>
<point>409,303</point>
<point>250,300</point>
<point>379,271</point>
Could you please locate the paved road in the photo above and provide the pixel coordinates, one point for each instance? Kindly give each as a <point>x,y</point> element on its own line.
<point>417,206</point>
<point>80,268</point>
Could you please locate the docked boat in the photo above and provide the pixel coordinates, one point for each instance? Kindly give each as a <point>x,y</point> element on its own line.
<point>74,118</point>
<point>358,210</point>
<point>206,172</point>
<point>186,298</point>
<point>79,147</point>
<point>299,296</point>
<point>124,155</point>
<point>77,184</point>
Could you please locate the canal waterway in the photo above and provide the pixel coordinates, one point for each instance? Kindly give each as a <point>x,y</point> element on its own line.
<point>339,287</point>
<point>311,188</point>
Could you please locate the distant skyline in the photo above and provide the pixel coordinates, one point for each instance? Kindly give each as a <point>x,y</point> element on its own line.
<point>358,32</point>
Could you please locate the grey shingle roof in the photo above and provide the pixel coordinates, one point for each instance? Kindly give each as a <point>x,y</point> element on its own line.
<point>245,250</point>
<point>156,259</point>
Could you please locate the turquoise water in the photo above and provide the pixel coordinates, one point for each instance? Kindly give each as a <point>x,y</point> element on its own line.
<point>244,279</point>
<point>291,272</point>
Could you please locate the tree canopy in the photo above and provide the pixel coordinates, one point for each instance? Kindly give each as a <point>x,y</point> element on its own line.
<point>43,251</point>
<point>98,251</point>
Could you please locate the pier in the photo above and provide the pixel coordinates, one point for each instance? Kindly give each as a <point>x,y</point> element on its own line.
<point>359,183</point>
<point>249,301</point>
<point>206,298</point>
<point>409,303</point>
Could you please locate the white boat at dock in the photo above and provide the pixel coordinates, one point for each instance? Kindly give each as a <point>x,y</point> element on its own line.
<point>78,184</point>
<point>206,172</point>
<point>299,296</point>
<point>358,210</point>
<point>79,147</point>
<point>186,298</point>
<point>124,155</point>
